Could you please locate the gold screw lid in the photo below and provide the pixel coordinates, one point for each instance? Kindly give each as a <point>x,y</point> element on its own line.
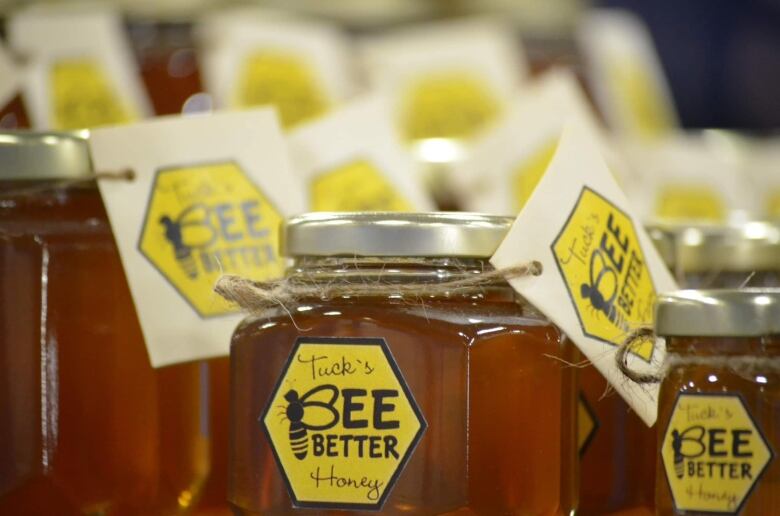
<point>436,234</point>
<point>29,155</point>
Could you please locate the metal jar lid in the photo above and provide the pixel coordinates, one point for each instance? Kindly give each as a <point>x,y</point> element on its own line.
<point>441,234</point>
<point>751,246</point>
<point>35,156</point>
<point>719,313</point>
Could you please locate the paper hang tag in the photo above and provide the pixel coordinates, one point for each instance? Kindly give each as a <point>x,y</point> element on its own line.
<point>626,74</point>
<point>255,59</point>
<point>81,72</point>
<point>504,166</point>
<point>446,79</point>
<point>601,271</point>
<point>209,195</point>
<point>9,78</point>
<point>688,177</point>
<point>351,160</point>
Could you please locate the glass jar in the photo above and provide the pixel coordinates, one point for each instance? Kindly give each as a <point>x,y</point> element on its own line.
<point>721,256</point>
<point>719,407</point>
<point>483,411</point>
<point>617,461</point>
<point>87,426</point>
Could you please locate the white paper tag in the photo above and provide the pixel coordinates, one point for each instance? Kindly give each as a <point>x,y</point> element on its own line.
<point>626,74</point>
<point>504,166</point>
<point>601,271</point>
<point>209,197</point>
<point>688,177</point>
<point>351,160</point>
<point>257,58</point>
<point>9,78</point>
<point>446,80</point>
<point>81,72</point>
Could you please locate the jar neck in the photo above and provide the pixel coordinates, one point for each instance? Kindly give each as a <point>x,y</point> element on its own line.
<point>724,346</point>
<point>403,271</point>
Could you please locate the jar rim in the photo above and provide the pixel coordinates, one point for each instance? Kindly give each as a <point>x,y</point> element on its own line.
<point>32,155</point>
<point>431,234</point>
<point>751,312</point>
<point>736,247</point>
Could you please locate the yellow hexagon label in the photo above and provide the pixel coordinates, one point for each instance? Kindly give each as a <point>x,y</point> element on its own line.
<point>356,186</point>
<point>773,204</point>
<point>342,423</point>
<point>605,272</point>
<point>448,105</point>
<point>284,80</point>
<point>528,174</point>
<point>713,453</point>
<point>205,220</point>
<point>82,96</point>
<point>690,203</point>
<point>640,100</point>
<point>587,424</point>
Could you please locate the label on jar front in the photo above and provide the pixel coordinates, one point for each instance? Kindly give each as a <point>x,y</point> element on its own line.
<point>600,270</point>
<point>587,423</point>
<point>208,195</point>
<point>713,453</point>
<point>342,423</point>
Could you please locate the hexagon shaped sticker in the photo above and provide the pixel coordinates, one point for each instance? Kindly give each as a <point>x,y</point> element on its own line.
<point>713,453</point>
<point>342,423</point>
<point>205,220</point>
<point>605,272</point>
<point>355,186</point>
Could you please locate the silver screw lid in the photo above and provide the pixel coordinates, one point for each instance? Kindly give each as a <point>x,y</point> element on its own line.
<point>719,313</point>
<point>26,155</point>
<point>439,234</point>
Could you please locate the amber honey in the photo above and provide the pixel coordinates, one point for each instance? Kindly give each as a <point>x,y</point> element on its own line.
<point>87,426</point>
<point>498,408</point>
<point>719,408</point>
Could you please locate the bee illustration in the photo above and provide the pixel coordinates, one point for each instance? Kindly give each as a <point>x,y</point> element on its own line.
<point>603,289</point>
<point>199,235</point>
<point>679,463</point>
<point>295,411</point>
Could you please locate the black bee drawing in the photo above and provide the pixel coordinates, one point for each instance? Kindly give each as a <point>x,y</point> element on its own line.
<point>194,221</point>
<point>679,464</point>
<point>603,289</point>
<point>298,407</point>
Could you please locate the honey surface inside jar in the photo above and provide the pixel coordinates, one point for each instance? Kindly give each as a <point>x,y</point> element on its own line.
<point>87,426</point>
<point>478,367</point>
<point>759,391</point>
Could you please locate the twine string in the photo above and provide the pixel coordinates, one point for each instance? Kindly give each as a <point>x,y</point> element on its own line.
<point>257,297</point>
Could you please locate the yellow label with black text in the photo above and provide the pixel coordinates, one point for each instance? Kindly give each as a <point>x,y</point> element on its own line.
<point>83,96</point>
<point>680,202</point>
<point>605,272</point>
<point>448,105</point>
<point>356,186</point>
<point>284,80</point>
<point>587,424</point>
<point>713,453</point>
<point>640,100</point>
<point>206,220</point>
<point>342,423</point>
<point>528,174</point>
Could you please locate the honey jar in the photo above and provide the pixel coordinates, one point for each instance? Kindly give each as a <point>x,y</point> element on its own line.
<point>385,379</point>
<point>87,426</point>
<point>719,407</point>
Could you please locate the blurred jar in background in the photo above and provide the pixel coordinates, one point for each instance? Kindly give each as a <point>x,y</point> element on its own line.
<point>87,426</point>
<point>168,63</point>
<point>721,256</point>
